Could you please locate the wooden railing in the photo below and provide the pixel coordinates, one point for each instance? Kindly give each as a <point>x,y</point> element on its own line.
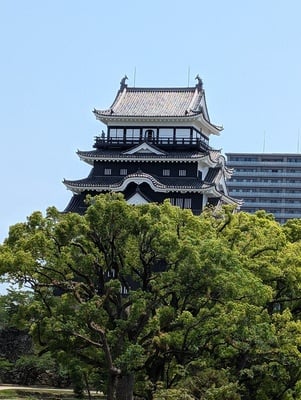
<point>100,141</point>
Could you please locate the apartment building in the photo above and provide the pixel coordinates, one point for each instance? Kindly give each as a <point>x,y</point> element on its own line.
<point>267,181</point>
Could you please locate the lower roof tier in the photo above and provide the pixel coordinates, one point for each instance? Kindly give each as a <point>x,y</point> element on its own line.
<point>99,183</point>
<point>141,194</point>
<point>147,153</point>
<point>159,185</point>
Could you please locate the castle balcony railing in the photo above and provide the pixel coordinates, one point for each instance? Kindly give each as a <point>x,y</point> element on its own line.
<point>164,143</point>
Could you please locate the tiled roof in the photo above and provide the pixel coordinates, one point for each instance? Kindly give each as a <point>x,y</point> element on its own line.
<point>212,174</point>
<point>115,182</point>
<point>155,102</point>
<point>94,181</point>
<point>215,155</point>
<point>161,184</point>
<point>182,182</point>
<point>76,204</point>
<point>105,154</point>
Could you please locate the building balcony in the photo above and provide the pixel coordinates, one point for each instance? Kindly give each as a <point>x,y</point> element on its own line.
<point>281,164</point>
<point>262,204</point>
<point>281,185</point>
<point>268,174</point>
<point>164,143</point>
<point>280,214</point>
<point>246,195</point>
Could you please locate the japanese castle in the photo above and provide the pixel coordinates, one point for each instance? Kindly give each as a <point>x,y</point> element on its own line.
<point>156,147</point>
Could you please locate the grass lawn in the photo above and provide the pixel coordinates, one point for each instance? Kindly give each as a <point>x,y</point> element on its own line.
<point>42,394</point>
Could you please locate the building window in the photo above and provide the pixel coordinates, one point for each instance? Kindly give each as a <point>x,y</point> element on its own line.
<point>124,290</point>
<point>166,172</point>
<point>149,135</point>
<point>182,172</point>
<point>116,133</point>
<point>123,171</point>
<point>133,133</point>
<point>187,203</point>
<point>166,135</point>
<point>108,171</point>
<point>177,201</point>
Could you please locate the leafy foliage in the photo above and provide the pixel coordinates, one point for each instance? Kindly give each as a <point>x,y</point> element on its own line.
<point>202,307</point>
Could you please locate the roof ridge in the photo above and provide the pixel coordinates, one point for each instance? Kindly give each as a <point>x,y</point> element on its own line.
<point>163,89</point>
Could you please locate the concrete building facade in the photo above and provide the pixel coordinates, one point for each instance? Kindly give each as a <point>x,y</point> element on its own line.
<point>267,181</point>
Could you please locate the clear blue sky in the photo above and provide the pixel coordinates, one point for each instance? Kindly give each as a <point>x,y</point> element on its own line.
<point>62,58</point>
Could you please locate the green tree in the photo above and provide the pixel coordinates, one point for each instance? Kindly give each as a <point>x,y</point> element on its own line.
<point>21,361</point>
<point>199,307</point>
<point>292,230</point>
<point>222,332</point>
<point>81,270</point>
<point>266,345</point>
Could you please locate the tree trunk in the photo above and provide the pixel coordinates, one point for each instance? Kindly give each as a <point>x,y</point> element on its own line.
<point>120,387</point>
<point>87,385</point>
<point>112,386</point>
<point>125,387</point>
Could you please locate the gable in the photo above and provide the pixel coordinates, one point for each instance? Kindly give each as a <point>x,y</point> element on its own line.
<point>145,148</point>
<point>136,199</point>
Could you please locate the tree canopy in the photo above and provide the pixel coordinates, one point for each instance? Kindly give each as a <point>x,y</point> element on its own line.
<point>161,303</point>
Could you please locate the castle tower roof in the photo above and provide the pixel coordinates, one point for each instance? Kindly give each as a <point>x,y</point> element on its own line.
<point>160,104</point>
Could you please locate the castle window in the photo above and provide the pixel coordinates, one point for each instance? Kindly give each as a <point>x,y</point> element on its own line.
<point>187,203</point>
<point>124,290</point>
<point>166,135</point>
<point>166,172</point>
<point>108,171</point>
<point>179,202</point>
<point>183,133</point>
<point>133,133</point>
<point>149,135</point>
<point>116,133</point>
<point>123,171</point>
<point>182,172</point>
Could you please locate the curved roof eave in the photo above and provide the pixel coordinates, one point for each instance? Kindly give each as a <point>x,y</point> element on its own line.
<point>78,187</point>
<point>197,118</point>
<point>223,197</point>
<point>104,117</point>
<point>213,129</point>
<point>208,161</point>
<point>230,200</point>
<point>210,190</point>
<point>89,159</point>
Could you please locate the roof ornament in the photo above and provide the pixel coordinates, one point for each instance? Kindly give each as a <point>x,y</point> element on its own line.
<point>200,82</point>
<point>122,82</point>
